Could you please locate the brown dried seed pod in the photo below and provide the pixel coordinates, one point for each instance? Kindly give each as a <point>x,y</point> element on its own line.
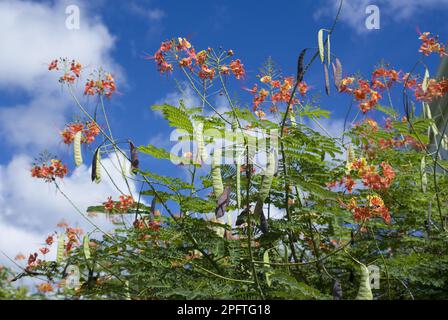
<point>96,166</point>
<point>300,69</point>
<point>327,80</point>
<point>222,202</point>
<point>134,156</point>
<point>337,74</point>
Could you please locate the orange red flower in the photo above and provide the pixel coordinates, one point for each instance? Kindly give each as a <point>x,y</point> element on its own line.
<point>237,68</point>
<point>105,85</point>
<point>45,287</point>
<point>430,45</point>
<point>89,131</point>
<point>49,172</point>
<point>125,203</point>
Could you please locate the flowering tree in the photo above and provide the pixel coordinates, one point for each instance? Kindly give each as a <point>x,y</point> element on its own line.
<point>374,196</point>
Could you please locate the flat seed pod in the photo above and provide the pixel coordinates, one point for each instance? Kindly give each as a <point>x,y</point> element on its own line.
<point>365,292</point>
<point>435,130</point>
<point>128,292</point>
<point>218,186</point>
<point>328,49</point>
<point>292,118</point>
<point>134,156</point>
<point>337,74</point>
<point>327,80</point>
<point>96,166</point>
<point>77,148</point>
<point>242,217</point>
<point>60,249</point>
<point>258,212</point>
<point>222,202</point>
<point>86,247</point>
<point>153,206</point>
<point>337,291</point>
<point>199,135</point>
<point>320,43</point>
<point>238,183</point>
<point>423,174</point>
<point>425,80</point>
<point>300,195</point>
<point>350,154</point>
<point>267,260</point>
<point>300,69</point>
<point>444,142</point>
<point>266,180</point>
<point>427,111</point>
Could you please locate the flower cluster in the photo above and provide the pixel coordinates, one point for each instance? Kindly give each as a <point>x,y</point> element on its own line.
<point>274,91</point>
<point>45,287</point>
<point>370,175</point>
<point>430,45</point>
<point>73,234</point>
<point>123,205</point>
<point>203,63</point>
<point>71,70</point>
<point>105,85</point>
<point>89,131</point>
<point>400,140</point>
<point>33,262</point>
<point>433,89</point>
<point>374,206</point>
<point>49,172</point>
<point>141,224</point>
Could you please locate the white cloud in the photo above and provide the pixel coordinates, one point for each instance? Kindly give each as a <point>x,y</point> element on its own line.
<point>36,123</point>
<point>187,95</point>
<point>35,33</point>
<point>353,11</point>
<point>152,14</point>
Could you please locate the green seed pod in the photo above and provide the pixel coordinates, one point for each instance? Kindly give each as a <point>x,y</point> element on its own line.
<point>350,154</point>
<point>86,247</point>
<point>425,81</point>
<point>267,178</point>
<point>365,292</point>
<point>423,174</point>
<point>320,43</point>
<point>199,135</point>
<point>238,183</point>
<point>267,262</point>
<point>218,186</point>
<point>60,249</point>
<point>77,148</point>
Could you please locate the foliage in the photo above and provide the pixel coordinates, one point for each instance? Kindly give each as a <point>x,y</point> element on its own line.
<point>364,198</point>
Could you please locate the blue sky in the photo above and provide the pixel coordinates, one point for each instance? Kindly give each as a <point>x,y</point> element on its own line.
<point>117,34</point>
